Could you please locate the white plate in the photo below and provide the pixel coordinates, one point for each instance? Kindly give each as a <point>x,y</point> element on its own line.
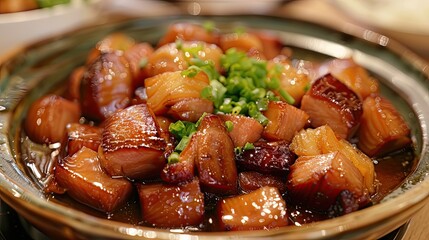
<point>411,16</point>
<point>20,28</point>
<point>405,21</point>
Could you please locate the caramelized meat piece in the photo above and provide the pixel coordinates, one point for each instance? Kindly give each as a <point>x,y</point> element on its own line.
<point>79,135</point>
<point>86,182</point>
<point>137,57</point>
<point>250,181</point>
<point>244,129</point>
<point>164,124</point>
<point>167,89</point>
<point>292,80</point>
<point>210,152</point>
<point>132,145</point>
<point>184,169</point>
<point>189,32</point>
<point>331,102</point>
<point>215,161</point>
<point>172,206</point>
<point>345,204</point>
<point>245,42</point>
<point>261,209</point>
<point>284,121</point>
<point>106,86</point>
<point>317,181</point>
<point>272,44</point>
<point>267,157</point>
<point>177,57</point>
<point>352,75</point>
<point>115,42</point>
<point>48,117</point>
<point>383,129</point>
<point>310,142</point>
<point>167,58</point>
<point>190,109</point>
<point>322,140</point>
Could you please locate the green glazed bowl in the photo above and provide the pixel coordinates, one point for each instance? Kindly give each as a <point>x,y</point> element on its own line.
<point>41,67</point>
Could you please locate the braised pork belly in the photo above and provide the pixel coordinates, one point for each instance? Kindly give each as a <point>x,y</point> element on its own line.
<point>217,131</point>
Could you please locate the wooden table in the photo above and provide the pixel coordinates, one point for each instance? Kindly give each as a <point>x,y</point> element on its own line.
<point>322,12</point>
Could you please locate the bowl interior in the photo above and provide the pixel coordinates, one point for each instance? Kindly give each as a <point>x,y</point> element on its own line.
<point>44,66</point>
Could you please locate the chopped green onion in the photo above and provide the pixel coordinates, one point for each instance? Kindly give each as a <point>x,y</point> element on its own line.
<point>262,104</point>
<point>50,3</point>
<point>143,62</point>
<point>307,87</point>
<point>183,143</point>
<point>247,86</point>
<point>179,44</point>
<point>209,26</point>
<point>197,124</point>
<point>182,128</point>
<point>248,146</point>
<point>236,110</point>
<point>191,71</point>
<point>286,96</point>
<point>173,158</point>
<point>240,30</point>
<point>229,126</point>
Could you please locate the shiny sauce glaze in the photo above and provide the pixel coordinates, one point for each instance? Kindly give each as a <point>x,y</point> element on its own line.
<point>391,172</point>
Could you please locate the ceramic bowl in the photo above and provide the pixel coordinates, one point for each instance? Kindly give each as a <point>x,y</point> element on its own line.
<point>44,66</point>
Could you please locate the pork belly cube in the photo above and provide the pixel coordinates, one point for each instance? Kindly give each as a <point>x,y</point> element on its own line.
<point>317,181</point>
<point>85,181</point>
<point>272,44</point>
<point>114,42</point>
<point>292,80</point>
<point>310,142</point>
<point>106,86</point>
<point>132,145</point>
<point>244,42</point>
<point>250,181</point>
<point>267,157</point>
<point>215,159</point>
<point>79,135</point>
<point>137,56</point>
<point>209,153</point>
<point>383,129</point>
<point>184,169</point>
<point>48,117</point>
<point>190,109</point>
<point>352,75</point>
<point>189,32</point>
<point>171,206</point>
<point>177,57</point>
<point>284,121</point>
<point>260,209</point>
<point>331,102</point>
<point>244,129</point>
<point>322,140</point>
<point>173,89</point>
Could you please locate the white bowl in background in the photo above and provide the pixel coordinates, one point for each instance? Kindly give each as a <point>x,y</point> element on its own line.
<point>404,21</point>
<point>21,28</point>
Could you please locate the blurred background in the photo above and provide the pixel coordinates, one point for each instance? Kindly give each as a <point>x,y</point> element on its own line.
<point>25,21</point>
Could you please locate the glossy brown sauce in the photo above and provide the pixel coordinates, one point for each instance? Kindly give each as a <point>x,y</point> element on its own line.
<point>391,171</point>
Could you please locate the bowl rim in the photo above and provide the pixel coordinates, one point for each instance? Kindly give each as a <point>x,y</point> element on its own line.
<point>15,196</point>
